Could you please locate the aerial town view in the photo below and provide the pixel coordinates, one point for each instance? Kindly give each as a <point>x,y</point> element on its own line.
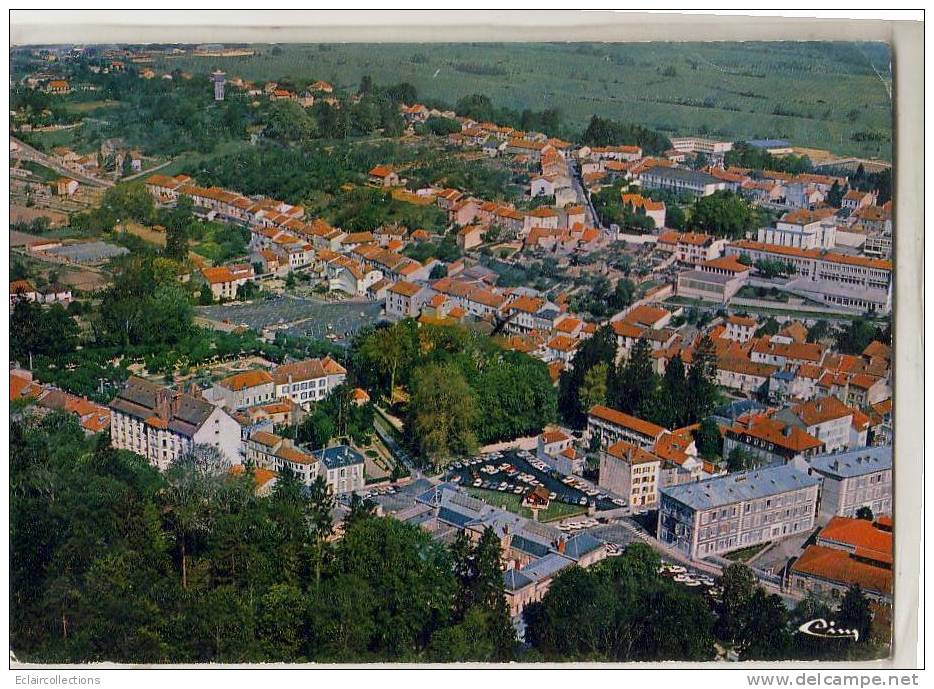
<point>436,353</point>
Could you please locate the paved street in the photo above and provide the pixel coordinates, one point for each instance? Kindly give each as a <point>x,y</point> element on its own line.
<point>27,152</point>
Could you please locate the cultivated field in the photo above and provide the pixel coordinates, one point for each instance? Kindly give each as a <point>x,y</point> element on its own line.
<point>825,95</point>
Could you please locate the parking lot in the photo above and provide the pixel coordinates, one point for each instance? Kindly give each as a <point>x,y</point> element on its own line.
<point>519,473</point>
<point>335,321</point>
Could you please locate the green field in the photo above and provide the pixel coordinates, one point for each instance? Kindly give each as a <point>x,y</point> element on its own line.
<point>824,95</point>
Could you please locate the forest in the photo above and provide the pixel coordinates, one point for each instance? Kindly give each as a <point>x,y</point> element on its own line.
<point>113,561</point>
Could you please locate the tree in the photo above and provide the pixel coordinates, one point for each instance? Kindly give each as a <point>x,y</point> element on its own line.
<point>438,271</point>
<point>739,586</point>
<point>856,336</point>
<point>855,613</point>
<point>360,508</point>
<point>635,381</point>
<point>280,623</point>
<point>738,460</point>
<point>819,331</point>
<point>835,195</point>
<point>593,388</point>
<point>702,390</point>
<point>441,414</point>
<point>765,635</point>
<point>708,439</point>
<point>316,429</point>
<point>724,214</point>
<point>865,513</point>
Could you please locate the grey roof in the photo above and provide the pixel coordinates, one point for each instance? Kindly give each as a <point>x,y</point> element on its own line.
<point>513,580</point>
<point>546,567</point>
<point>707,276</point>
<point>866,460</point>
<point>784,375</point>
<point>338,456</point>
<point>767,143</point>
<point>691,176</point>
<point>581,544</point>
<point>529,546</point>
<point>140,398</point>
<point>740,486</point>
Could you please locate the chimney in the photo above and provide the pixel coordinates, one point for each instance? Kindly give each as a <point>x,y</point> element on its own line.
<point>163,406</point>
<point>786,431</point>
<point>562,542</point>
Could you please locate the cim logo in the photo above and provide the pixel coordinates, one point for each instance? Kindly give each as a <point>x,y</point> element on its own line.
<point>827,630</point>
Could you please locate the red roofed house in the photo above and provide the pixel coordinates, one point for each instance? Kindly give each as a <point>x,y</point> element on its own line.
<point>383,176</point>
<point>308,381</point>
<point>243,390</point>
<point>405,299</point>
<point>849,552</point>
<point>224,280</point>
<point>632,473</point>
<point>766,441</point>
<point>611,426</point>
<point>556,449</point>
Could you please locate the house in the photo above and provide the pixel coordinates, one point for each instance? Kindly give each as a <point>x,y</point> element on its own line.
<point>556,449</point>
<point>243,390</point>
<point>855,199</point>
<point>264,480</point>
<point>716,280</point>
<point>22,290</point>
<point>827,419</point>
<point>469,237</point>
<point>311,380</point>
<point>851,283</point>
<point>405,299</point>
<point>739,510</point>
<point>848,552</point>
<point>164,425</point>
<point>611,426</point>
<point>691,248</point>
<point>679,180</point>
<point>226,280</point>
<point>740,328</point>
<point>766,441</point>
<point>632,473</point>
<point>64,186</point>
<point>321,86</point>
<point>743,375</point>
<point>803,229</point>
<point>269,451</point>
<point>342,467</point>
<point>655,210</point>
<point>852,480</point>
<point>383,176</point>
<point>58,86</point>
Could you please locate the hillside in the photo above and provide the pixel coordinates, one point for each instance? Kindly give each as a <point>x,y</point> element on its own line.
<point>824,95</point>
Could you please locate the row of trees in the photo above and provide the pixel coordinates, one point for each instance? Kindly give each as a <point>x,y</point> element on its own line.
<point>676,399</point>
<point>461,388</point>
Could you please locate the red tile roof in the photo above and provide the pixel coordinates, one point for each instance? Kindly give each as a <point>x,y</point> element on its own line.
<point>614,416</point>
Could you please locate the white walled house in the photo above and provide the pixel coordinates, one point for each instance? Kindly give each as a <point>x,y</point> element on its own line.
<point>163,425</point>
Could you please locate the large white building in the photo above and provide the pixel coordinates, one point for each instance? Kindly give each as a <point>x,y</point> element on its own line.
<point>163,425</point>
<point>855,283</point>
<point>802,229</point>
<point>738,510</point>
<point>860,478</point>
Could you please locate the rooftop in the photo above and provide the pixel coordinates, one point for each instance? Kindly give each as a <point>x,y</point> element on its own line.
<point>739,487</point>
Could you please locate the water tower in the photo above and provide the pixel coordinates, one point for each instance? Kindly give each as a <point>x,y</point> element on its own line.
<point>219,78</point>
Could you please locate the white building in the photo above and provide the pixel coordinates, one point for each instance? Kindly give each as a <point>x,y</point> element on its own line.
<point>738,510</point>
<point>855,479</point>
<point>243,390</point>
<point>308,381</point>
<point>163,425</point>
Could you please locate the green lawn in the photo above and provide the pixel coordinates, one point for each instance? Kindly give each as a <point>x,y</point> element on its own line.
<point>513,503</point>
<point>745,554</point>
